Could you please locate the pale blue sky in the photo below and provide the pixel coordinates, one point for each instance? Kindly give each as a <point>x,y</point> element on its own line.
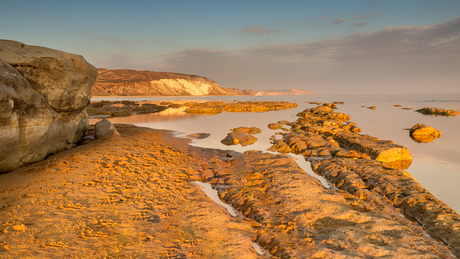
<point>319,46</point>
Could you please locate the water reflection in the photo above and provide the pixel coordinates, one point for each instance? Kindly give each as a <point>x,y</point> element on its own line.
<point>171,114</point>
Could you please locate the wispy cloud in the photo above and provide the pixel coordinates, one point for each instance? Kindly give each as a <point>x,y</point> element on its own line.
<point>391,58</point>
<point>359,24</point>
<point>339,21</point>
<point>322,18</point>
<point>364,17</point>
<point>257,30</point>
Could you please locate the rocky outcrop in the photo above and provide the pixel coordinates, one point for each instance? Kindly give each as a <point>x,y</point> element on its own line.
<point>294,216</point>
<point>436,111</point>
<point>108,109</point>
<point>424,133</point>
<point>242,136</point>
<point>128,82</point>
<point>322,132</point>
<point>212,108</point>
<point>43,96</point>
<point>376,183</point>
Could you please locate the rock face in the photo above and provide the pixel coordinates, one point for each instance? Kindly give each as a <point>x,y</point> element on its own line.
<point>43,96</point>
<point>424,133</point>
<point>149,83</point>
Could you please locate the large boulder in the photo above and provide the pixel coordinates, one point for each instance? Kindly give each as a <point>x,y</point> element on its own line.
<point>43,98</point>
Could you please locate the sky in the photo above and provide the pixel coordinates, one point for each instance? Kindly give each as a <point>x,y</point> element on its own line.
<point>325,47</point>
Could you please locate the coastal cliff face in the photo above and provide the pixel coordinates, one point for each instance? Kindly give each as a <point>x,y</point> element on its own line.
<point>43,98</point>
<point>128,82</point>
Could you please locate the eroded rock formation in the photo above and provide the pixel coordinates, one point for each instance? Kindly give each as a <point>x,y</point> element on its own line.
<point>127,82</point>
<point>322,132</point>
<point>43,96</point>
<point>294,216</point>
<point>242,136</point>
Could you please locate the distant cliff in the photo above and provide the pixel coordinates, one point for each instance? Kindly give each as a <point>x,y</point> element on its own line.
<point>126,82</point>
<point>284,92</point>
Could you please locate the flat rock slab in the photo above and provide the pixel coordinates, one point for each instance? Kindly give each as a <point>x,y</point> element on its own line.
<point>296,217</point>
<point>381,150</point>
<point>375,182</point>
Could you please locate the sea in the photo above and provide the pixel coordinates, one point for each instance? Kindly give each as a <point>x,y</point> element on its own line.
<point>435,165</point>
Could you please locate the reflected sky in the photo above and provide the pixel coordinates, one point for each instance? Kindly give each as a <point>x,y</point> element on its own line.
<point>435,165</point>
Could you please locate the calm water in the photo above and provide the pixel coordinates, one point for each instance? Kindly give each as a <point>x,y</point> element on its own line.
<point>435,165</point>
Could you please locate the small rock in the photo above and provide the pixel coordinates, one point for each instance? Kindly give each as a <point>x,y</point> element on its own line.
<point>424,133</point>
<point>235,138</point>
<point>198,135</point>
<point>274,126</point>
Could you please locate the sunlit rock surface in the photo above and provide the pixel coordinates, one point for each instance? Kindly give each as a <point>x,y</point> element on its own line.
<point>375,182</point>
<point>436,111</point>
<point>212,108</point>
<point>43,96</point>
<point>321,132</point>
<point>242,136</point>
<point>424,133</point>
<point>126,82</point>
<point>294,216</point>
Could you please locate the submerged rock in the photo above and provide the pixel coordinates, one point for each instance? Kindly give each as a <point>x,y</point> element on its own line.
<point>107,109</point>
<point>424,133</point>
<point>212,108</point>
<point>198,135</point>
<point>43,98</point>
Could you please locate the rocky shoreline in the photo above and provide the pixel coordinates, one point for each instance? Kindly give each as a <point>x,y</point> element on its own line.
<point>134,192</point>
<point>132,195</point>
